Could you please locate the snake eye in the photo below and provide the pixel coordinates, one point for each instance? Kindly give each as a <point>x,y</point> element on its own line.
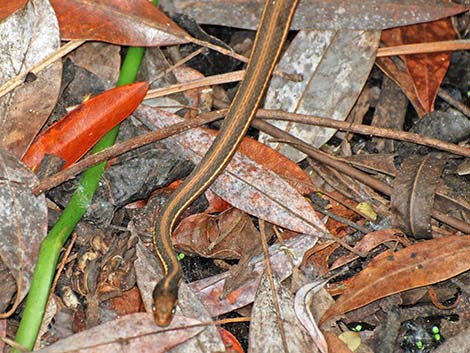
<point>173,311</point>
<point>153,308</point>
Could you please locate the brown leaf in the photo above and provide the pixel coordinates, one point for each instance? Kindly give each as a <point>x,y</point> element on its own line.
<point>226,236</point>
<point>23,221</point>
<point>28,37</point>
<point>245,184</point>
<point>391,272</point>
<point>412,199</point>
<point>426,71</point>
<point>132,23</point>
<point>369,242</point>
<point>321,14</point>
<point>334,65</point>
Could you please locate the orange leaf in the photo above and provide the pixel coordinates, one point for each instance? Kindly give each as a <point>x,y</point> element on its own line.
<point>424,72</point>
<point>75,134</point>
<point>8,7</point>
<point>418,265</point>
<point>230,341</point>
<point>124,22</point>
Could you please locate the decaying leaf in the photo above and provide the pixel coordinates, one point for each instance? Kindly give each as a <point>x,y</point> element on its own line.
<point>28,37</point>
<point>391,272</point>
<point>133,23</point>
<point>334,65</point>
<point>130,333</point>
<point>321,14</point>
<point>264,319</point>
<point>75,134</point>
<point>244,183</point>
<point>413,194</point>
<point>23,223</point>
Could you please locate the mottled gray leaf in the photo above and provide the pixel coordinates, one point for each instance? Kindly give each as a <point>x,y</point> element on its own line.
<point>320,14</point>
<point>23,221</point>
<point>334,65</point>
<point>27,37</point>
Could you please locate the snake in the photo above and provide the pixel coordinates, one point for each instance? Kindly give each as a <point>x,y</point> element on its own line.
<point>270,37</point>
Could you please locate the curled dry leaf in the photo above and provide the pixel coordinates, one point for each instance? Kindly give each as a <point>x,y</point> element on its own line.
<point>75,134</point>
<point>264,319</point>
<point>412,199</point>
<point>28,37</point>
<point>282,259</point>
<point>391,272</point>
<point>132,23</point>
<point>23,222</point>
<point>369,242</point>
<point>303,300</point>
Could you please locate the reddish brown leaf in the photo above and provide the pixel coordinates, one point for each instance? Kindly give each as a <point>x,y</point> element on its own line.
<point>7,7</point>
<point>426,71</point>
<point>71,137</point>
<point>226,236</point>
<point>391,272</point>
<point>244,183</point>
<point>124,22</point>
<point>275,161</point>
<point>413,194</point>
<point>369,242</point>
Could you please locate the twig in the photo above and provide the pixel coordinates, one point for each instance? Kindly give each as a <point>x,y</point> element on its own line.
<point>19,79</point>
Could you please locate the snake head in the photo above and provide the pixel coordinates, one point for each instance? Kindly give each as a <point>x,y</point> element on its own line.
<point>165,297</point>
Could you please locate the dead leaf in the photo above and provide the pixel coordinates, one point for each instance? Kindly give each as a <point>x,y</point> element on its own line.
<point>28,37</point>
<point>425,71</point>
<point>302,303</point>
<point>245,184</point>
<point>412,199</point>
<point>321,14</point>
<point>391,272</point>
<point>23,222</point>
<point>7,7</point>
<point>264,319</point>
<point>335,65</point>
<point>131,23</point>
<point>282,259</point>
<point>130,333</point>
<point>369,242</point>
<point>227,236</point>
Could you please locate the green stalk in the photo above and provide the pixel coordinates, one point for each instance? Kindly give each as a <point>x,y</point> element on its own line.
<point>51,246</point>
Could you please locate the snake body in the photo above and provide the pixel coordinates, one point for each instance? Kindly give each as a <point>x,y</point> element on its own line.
<point>270,37</point>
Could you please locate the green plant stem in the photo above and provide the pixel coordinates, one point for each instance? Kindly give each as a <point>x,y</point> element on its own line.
<point>51,246</point>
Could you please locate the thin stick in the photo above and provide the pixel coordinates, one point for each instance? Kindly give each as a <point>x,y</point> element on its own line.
<point>14,82</point>
<point>424,48</point>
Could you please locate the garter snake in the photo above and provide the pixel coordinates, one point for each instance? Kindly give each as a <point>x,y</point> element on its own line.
<point>271,34</point>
